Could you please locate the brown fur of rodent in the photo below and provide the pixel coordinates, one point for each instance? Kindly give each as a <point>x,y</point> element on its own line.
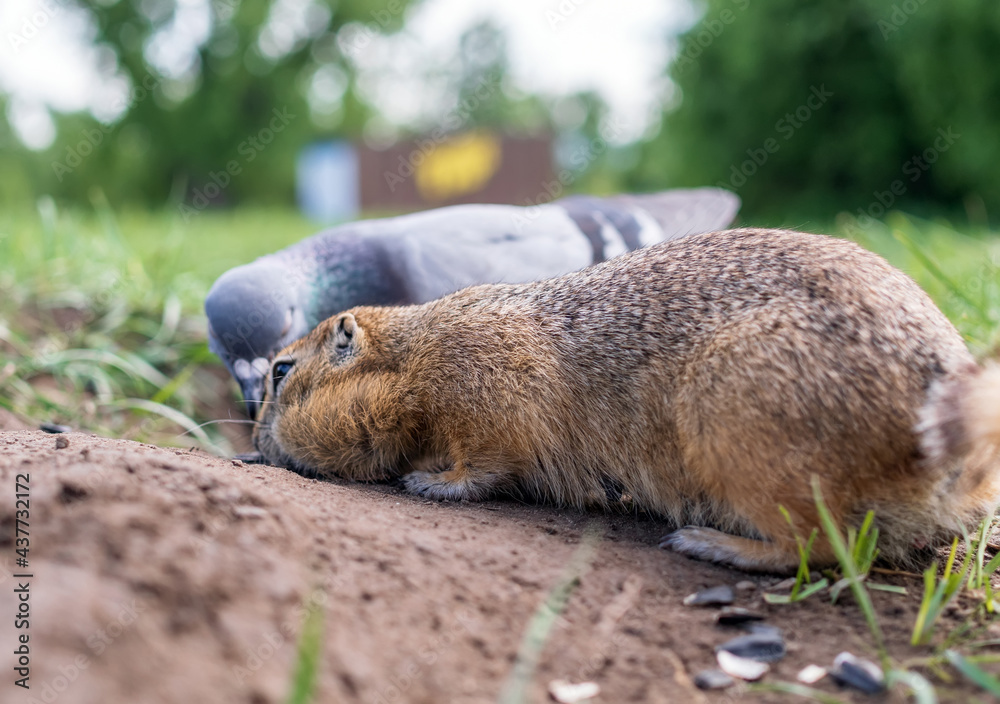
<point>710,378</point>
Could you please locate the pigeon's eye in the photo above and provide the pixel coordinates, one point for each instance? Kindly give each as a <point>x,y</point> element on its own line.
<point>279,370</point>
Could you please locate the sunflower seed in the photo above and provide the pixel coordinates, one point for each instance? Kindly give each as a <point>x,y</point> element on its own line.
<point>762,647</point>
<point>734,616</point>
<point>716,596</point>
<point>860,674</point>
<point>745,669</point>
<point>713,679</point>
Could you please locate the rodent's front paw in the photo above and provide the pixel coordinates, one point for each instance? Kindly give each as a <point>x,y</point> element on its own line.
<point>735,550</point>
<point>699,542</point>
<point>441,486</point>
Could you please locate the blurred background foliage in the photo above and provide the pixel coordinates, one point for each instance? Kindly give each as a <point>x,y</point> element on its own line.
<point>175,133</point>
<point>897,74</point>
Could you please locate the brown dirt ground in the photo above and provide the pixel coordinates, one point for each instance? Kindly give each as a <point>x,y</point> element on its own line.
<point>166,575</point>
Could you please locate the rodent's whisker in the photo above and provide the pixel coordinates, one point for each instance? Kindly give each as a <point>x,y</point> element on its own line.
<point>213,422</point>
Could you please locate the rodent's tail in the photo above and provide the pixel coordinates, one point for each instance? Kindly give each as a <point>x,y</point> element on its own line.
<point>959,435</point>
<point>961,416</point>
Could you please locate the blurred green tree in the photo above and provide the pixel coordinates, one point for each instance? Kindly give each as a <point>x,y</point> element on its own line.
<point>483,92</point>
<point>269,76</point>
<point>810,107</point>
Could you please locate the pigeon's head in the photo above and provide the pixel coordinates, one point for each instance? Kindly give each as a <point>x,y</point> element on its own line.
<point>253,312</point>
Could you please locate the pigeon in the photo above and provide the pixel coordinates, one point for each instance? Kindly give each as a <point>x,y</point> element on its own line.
<point>257,309</point>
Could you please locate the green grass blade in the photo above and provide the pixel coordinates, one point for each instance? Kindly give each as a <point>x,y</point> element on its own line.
<point>923,691</point>
<point>816,695</point>
<point>978,574</point>
<point>992,565</point>
<point>147,370</point>
<point>108,220</point>
<point>974,673</point>
<point>171,414</point>
<point>778,598</point>
<point>802,574</point>
<point>811,589</point>
<point>515,688</point>
<point>925,606</point>
<point>310,648</point>
<point>936,598</point>
<point>850,570</point>
<point>172,386</point>
<point>131,364</point>
<point>935,270</point>
<point>839,586</point>
<point>172,313</point>
<point>805,593</point>
<point>977,659</point>
<point>951,559</point>
<point>866,525</point>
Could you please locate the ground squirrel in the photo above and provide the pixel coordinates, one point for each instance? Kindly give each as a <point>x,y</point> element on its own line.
<point>710,378</point>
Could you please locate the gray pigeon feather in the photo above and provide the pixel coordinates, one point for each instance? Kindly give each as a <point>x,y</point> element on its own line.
<point>257,309</point>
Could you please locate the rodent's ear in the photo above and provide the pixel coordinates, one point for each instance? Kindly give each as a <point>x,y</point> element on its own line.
<point>345,333</point>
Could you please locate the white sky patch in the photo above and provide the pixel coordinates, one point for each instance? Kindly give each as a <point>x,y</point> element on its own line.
<point>291,22</point>
<point>48,62</point>
<point>173,50</point>
<point>556,47</point>
<point>32,123</point>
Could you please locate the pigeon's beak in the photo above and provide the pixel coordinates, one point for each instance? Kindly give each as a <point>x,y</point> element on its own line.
<point>251,376</point>
<point>253,394</point>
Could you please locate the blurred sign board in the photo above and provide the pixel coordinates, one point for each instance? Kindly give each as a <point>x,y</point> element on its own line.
<point>472,167</point>
<point>336,180</point>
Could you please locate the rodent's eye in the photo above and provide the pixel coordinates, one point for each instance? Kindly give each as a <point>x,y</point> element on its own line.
<point>279,370</point>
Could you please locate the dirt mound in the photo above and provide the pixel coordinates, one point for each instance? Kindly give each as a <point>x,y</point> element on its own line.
<point>168,575</point>
<point>9,421</point>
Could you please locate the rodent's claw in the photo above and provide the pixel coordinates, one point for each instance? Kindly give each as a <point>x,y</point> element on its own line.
<point>693,541</point>
<point>715,546</point>
<point>441,486</point>
<point>459,483</point>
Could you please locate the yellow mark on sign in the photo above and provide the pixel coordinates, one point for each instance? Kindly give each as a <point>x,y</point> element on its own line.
<point>458,167</point>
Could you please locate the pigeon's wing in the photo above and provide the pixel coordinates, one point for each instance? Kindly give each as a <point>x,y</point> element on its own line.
<point>617,224</point>
<point>441,251</point>
<point>683,212</point>
<point>423,256</point>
